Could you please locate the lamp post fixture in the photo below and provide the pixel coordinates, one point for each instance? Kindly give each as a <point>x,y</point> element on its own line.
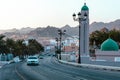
<point>61,32</point>
<point>56,47</point>
<point>57,42</point>
<point>79,19</point>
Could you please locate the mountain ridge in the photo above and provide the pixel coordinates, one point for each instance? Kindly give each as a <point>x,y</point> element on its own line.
<point>51,31</point>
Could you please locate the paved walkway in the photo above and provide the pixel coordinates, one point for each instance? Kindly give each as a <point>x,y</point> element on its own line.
<point>101,67</point>
<point>2,63</point>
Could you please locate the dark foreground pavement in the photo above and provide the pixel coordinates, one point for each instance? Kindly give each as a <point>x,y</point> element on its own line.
<point>50,69</point>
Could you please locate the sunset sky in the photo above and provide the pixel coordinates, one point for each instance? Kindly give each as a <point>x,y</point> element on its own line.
<point>58,13</point>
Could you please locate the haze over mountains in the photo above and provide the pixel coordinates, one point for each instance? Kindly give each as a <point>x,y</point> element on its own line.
<point>50,31</point>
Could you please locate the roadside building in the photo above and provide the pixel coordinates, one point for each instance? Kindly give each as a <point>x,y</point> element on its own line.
<point>49,45</point>
<point>70,49</point>
<point>70,45</point>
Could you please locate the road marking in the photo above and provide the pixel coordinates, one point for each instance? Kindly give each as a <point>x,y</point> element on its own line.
<point>19,74</point>
<point>82,79</point>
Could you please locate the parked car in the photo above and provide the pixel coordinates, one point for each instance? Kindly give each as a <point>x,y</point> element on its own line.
<point>32,60</point>
<point>41,57</point>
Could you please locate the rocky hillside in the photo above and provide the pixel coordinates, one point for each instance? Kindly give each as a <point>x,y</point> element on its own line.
<point>50,31</point>
<point>100,25</point>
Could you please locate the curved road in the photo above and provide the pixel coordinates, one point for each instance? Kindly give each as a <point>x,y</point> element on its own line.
<point>50,69</point>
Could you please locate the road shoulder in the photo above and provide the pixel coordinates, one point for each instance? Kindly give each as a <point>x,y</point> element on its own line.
<point>100,67</point>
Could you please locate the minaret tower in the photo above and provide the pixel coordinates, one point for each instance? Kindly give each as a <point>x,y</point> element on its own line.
<point>84,32</point>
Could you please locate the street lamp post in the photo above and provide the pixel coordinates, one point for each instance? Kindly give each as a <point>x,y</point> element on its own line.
<point>79,19</point>
<point>56,47</point>
<point>61,32</point>
<point>57,42</point>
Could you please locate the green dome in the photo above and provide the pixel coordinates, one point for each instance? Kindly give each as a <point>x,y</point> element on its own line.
<point>109,45</point>
<point>84,8</point>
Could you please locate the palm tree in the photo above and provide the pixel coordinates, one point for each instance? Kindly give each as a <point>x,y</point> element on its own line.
<point>10,44</point>
<point>2,44</point>
<point>19,47</point>
<point>34,47</point>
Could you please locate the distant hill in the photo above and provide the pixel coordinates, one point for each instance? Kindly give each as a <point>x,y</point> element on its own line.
<point>100,25</point>
<point>52,32</point>
<point>49,31</point>
<point>70,31</point>
<point>14,30</point>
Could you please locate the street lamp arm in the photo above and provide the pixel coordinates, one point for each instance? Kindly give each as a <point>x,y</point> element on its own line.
<point>80,18</point>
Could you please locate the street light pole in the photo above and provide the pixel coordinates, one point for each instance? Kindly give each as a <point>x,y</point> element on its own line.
<point>60,32</point>
<point>57,47</point>
<point>79,19</point>
<point>57,43</point>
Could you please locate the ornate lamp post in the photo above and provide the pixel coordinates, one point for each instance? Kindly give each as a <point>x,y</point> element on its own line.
<point>57,42</point>
<point>56,47</point>
<point>79,19</point>
<point>61,32</point>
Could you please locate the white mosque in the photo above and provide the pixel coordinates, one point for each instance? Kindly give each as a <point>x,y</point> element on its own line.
<point>109,51</point>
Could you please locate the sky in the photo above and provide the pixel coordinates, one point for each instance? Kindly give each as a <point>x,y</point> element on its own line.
<point>58,13</point>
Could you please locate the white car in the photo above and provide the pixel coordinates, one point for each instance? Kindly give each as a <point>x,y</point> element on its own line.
<point>32,60</point>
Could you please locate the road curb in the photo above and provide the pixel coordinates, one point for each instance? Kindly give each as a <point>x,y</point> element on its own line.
<point>100,67</point>
<point>3,63</point>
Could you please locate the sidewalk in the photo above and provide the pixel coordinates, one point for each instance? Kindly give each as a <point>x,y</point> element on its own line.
<point>2,63</point>
<point>100,67</point>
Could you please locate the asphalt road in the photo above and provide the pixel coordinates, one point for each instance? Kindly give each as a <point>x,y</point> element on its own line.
<point>50,69</point>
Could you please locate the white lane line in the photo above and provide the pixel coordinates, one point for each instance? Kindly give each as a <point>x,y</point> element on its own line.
<point>19,74</point>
